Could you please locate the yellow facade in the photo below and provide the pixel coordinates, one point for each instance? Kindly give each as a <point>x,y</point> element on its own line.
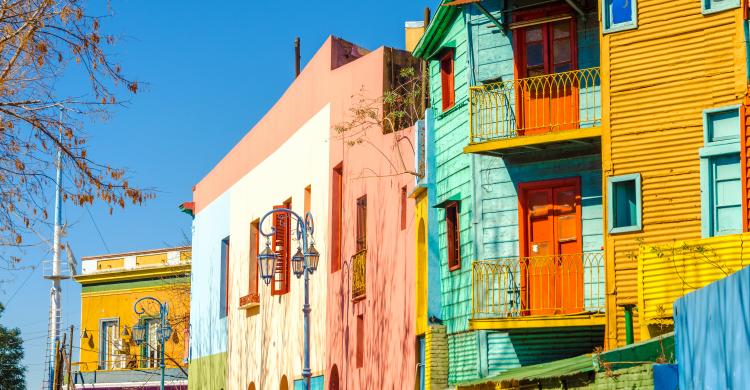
<point>657,80</point>
<point>421,210</point>
<point>667,272</point>
<point>109,293</point>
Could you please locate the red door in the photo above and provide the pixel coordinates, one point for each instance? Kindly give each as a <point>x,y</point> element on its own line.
<point>548,90</point>
<point>551,264</point>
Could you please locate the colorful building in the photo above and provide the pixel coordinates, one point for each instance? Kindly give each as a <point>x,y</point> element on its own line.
<point>673,109</point>
<point>515,91</point>
<point>111,284</point>
<point>247,335</point>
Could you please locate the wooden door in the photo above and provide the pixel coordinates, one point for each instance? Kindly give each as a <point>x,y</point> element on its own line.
<point>547,89</point>
<point>551,264</point>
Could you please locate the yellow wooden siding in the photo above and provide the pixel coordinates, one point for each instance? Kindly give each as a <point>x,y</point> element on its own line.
<point>186,256</point>
<point>154,259</point>
<point>669,271</point>
<point>421,211</point>
<point>108,264</point>
<point>657,81</point>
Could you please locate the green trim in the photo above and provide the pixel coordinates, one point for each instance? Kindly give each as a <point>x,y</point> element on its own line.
<point>116,286</point>
<point>437,28</point>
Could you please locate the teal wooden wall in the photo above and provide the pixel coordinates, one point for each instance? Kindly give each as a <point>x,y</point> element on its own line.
<point>483,54</point>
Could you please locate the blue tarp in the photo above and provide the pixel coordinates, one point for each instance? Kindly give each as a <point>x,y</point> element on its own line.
<point>712,334</point>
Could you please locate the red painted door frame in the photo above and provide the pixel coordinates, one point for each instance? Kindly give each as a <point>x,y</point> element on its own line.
<point>546,105</point>
<point>567,303</point>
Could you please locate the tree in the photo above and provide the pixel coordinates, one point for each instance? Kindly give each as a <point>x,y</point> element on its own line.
<point>397,109</point>
<point>12,373</point>
<point>39,41</point>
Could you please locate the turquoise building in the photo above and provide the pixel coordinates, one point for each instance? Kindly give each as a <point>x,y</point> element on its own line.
<point>515,92</point>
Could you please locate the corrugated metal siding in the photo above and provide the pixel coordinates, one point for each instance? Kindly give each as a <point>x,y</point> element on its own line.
<point>745,141</point>
<point>506,350</point>
<point>667,272</point>
<point>463,357</point>
<point>661,77</point>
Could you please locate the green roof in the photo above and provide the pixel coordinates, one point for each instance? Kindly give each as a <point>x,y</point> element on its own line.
<point>555,369</point>
<point>642,352</point>
<point>435,31</point>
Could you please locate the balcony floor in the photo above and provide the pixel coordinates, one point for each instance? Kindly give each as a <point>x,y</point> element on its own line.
<point>555,144</point>
<point>555,321</point>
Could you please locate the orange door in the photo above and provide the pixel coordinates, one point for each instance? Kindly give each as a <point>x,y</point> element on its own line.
<point>551,267</point>
<point>548,89</point>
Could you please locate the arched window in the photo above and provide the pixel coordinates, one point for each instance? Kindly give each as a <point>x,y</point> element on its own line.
<point>333,383</point>
<point>284,385</point>
<point>251,386</point>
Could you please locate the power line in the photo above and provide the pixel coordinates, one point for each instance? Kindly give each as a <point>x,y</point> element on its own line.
<point>97,228</point>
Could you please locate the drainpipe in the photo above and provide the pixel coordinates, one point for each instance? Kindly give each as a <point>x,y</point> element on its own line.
<point>628,323</point>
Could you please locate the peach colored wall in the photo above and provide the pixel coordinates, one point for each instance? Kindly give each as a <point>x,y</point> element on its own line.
<point>389,307</point>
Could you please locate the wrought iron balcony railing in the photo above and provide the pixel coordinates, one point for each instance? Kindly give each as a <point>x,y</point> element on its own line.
<point>359,275</point>
<point>535,105</point>
<point>538,286</point>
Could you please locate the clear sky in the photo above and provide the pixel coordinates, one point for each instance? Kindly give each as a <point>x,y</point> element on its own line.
<point>212,70</point>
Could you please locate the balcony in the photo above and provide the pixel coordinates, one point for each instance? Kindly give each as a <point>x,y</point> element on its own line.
<point>555,112</point>
<point>359,275</point>
<point>540,291</point>
<point>667,272</point>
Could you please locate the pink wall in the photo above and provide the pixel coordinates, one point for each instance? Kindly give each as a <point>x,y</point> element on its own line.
<point>389,306</point>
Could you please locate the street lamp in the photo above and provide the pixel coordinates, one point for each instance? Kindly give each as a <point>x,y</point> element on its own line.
<point>163,332</point>
<point>304,262</point>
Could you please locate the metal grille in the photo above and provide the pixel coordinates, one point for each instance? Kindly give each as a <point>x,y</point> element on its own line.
<point>359,274</point>
<point>542,285</point>
<point>553,102</point>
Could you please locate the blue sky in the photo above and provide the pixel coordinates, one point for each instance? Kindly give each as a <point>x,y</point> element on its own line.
<point>212,72</point>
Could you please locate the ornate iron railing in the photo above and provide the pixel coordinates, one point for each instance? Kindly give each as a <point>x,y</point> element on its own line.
<point>359,275</point>
<point>542,285</point>
<point>540,104</point>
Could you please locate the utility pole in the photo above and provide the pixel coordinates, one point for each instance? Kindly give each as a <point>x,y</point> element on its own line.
<point>56,276</point>
<point>70,360</point>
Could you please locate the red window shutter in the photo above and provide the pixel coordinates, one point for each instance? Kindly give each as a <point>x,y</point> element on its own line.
<point>447,79</point>
<point>281,222</point>
<point>453,236</point>
<point>254,251</point>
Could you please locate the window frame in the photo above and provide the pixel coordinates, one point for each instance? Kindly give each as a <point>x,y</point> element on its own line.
<point>453,235</point>
<point>608,26</point>
<point>360,238</point>
<point>337,215</point>
<point>708,9</point>
<point>611,181</point>
<point>225,279</point>
<point>281,282</point>
<point>103,364</point>
<point>253,274</point>
<point>448,90</point>
<point>708,153</point>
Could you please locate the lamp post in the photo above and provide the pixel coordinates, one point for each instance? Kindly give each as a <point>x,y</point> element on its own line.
<point>163,333</point>
<point>304,262</point>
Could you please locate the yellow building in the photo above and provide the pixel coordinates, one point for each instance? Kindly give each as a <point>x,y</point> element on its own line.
<point>111,285</point>
<point>674,76</point>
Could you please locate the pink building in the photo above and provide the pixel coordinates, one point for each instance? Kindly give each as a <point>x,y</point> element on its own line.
<point>370,304</point>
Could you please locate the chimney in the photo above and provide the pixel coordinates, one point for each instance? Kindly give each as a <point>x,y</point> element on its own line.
<point>414,32</point>
<point>296,57</point>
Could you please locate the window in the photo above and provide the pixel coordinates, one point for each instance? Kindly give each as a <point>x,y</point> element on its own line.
<point>282,238</point>
<point>447,79</point>
<point>547,48</point>
<point>624,203</point>
<point>711,6</point>
<point>360,357</point>
<point>403,207</point>
<point>362,223</point>
<point>109,343</point>
<point>308,199</point>
<point>224,297</point>
<point>254,251</point>
<point>453,235</point>
<point>337,180</point>
<point>619,15</point>
<point>721,179</point>
<point>151,348</point>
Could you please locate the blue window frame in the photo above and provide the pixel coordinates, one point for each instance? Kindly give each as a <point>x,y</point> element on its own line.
<point>721,180</point>
<point>224,283</point>
<point>618,15</point>
<point>624,203</point>
<point>712,6</point>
